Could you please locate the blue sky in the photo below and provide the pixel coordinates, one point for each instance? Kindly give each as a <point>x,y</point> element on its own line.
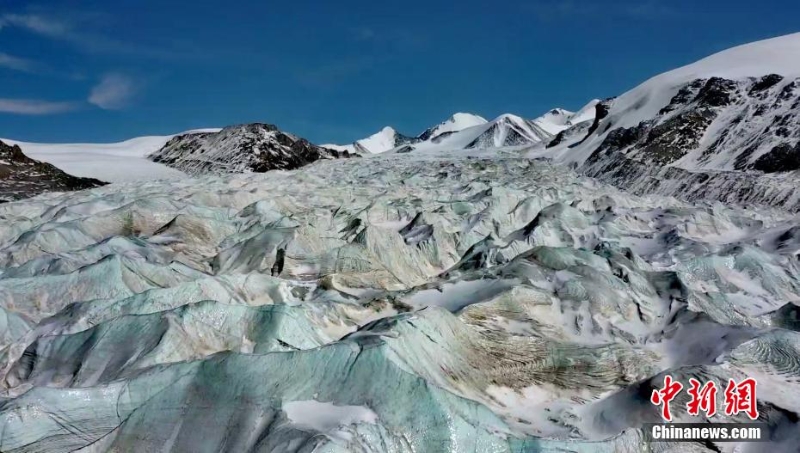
<point>338,71</point>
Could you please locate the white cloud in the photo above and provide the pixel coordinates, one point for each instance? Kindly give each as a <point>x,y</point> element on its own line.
<point>34,106</point>
<point>18,64</point>
<point>76,29</point>
<point>37,24</point>
<point>114,92</point>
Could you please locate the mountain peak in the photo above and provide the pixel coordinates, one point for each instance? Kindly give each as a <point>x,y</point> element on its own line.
<point>508,117</point>
<point>457,122</point>
<point>242,148</point>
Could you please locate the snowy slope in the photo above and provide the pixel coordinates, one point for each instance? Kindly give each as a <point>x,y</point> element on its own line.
<point>469,131</point>
<point>113,162</point>
<point>559,120</point>
<point>506,130</point>
<point>740,64</point>
<point>383,140</point>
<point>586,113</point>
<point>555,120</point>
<point>771,56</point>
<point>710,130</point>
<point>455,123</point>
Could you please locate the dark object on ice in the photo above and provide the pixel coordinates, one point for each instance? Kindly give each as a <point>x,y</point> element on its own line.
<point>277,268</point>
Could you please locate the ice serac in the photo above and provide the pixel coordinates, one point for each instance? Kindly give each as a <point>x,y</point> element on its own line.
<point>23,177</point>
<point>461,301</point>
<point>723,128</point>
<point>255,147</point>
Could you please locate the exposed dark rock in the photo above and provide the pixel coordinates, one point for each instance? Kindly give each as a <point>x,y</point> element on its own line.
<point>684,96</point>
<point>618,140</point>
<point>559,138</point>
<point>742,160</point>
<point>256,147</point>
<point>671,140</point>
<point>601,110</point>
<point>783,157</point>
<point>717,92</point>
<point>23,177</point>
<point>765,83</point>
<point>729,122</point>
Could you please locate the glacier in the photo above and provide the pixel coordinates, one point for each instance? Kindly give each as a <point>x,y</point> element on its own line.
<point>463,301</point>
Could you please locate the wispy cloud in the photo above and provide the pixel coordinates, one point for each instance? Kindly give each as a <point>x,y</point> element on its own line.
<point>18,64</point>
<point>115,91</point>
<point>35,23</point>
<point>75,30</point>
<point>35,107</point>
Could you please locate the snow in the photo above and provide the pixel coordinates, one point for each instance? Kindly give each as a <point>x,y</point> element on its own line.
<point>381,141</point>
<point>467,130</point>
<point>586,113</point>
<point>111,162</point>
<point>492,134</point>
<point>455,296</point>
<point>455,123</point>
<point>327,418</point>
<point>555,120</point>
<point>771,56</point>
<point>779,55</point>
<point>558,119</point>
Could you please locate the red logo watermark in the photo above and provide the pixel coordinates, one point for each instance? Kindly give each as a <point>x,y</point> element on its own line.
<point>739,397</point>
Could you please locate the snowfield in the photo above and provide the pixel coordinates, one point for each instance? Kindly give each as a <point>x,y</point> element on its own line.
<point>111,162</point>
<point>463,301</point>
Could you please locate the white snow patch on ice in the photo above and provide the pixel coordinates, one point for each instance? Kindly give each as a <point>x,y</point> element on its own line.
<point>327,418</point>
<point>455,296</point>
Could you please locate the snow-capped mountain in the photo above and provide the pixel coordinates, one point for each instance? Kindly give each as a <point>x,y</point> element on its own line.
<point>23,177</point>
<point>710,130</point>
<point>383,140</point>
<point>455,123</point>
<point>255,147</point>
<point>506,130</point>
<point>559,120</point>
<point>469,131</point>
<point>586,113</point>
